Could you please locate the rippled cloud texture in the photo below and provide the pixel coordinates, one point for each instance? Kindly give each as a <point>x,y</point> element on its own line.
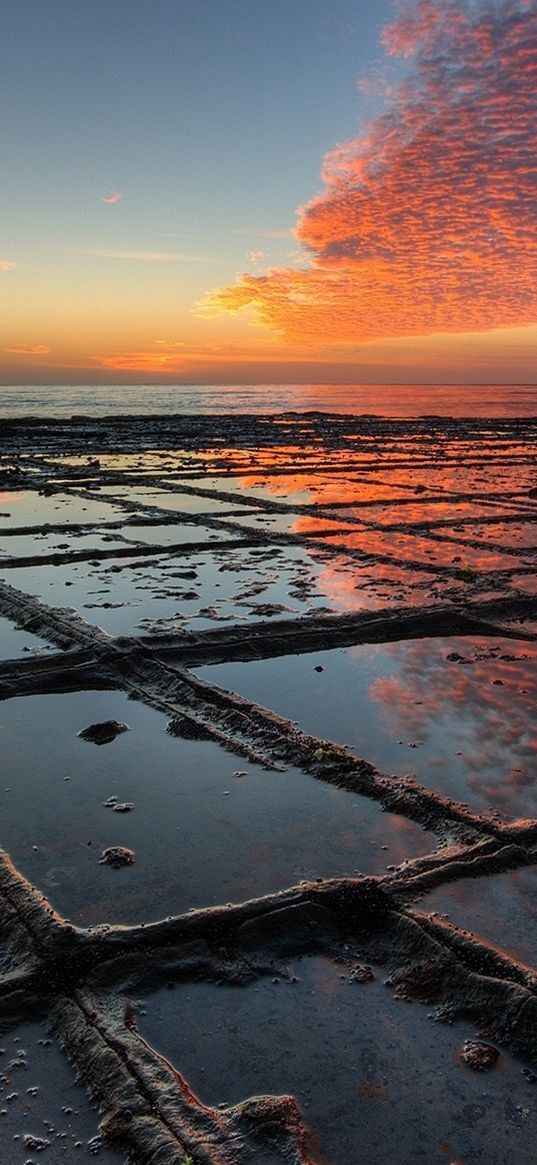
<point>428,220</point>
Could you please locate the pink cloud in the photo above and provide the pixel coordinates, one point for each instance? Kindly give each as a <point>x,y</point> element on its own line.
<point>7,265</point>
<point>112,197</point>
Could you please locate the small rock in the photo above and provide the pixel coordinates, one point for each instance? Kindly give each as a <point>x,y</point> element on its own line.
<point>37,1143</point>
<point>102,733</point>
<point>361,974</point>
<point>116,856</point>
<point>479,1055</point>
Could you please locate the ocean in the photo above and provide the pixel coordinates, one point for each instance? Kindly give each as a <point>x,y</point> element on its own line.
<point>468,400</point>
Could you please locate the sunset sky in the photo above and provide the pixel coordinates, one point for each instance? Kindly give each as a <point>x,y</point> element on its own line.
<point>222,191</point>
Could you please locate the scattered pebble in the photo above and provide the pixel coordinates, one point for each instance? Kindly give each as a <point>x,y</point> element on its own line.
<point>37,1143</point>
<point>361,974</point>
<point>116,856</point>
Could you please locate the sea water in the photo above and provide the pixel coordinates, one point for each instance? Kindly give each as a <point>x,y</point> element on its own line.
<point>467,400</point>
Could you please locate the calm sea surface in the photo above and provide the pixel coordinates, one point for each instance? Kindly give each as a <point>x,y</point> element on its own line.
<point>468,400</point>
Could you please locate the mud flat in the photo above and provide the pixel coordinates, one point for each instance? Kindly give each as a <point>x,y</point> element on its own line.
<point>307,645</point>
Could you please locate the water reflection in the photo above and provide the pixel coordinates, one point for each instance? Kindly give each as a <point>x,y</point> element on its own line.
<point>504,912</point>
<point>358,1062</point>
<point>7,498</point>
<point>456,713</point>
<point>478,697</point>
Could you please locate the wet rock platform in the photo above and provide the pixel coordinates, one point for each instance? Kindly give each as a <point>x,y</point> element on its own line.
<point>305,646</point>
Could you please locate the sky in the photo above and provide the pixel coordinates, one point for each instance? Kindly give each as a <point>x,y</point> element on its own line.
<point>261,191</point>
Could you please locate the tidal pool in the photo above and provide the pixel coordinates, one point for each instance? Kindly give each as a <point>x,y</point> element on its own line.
<point>60,543</point>
<point>173,499</point>
<point>30,508</point>
<point>201,834</point>
<point>15,643</point>
<point>173,535</point>
<point>172,592</point>
<point>457,713</point>
<point>502,910</point>
<point>376,1079</point>
<point>428,552</point>
<point>290,523</point>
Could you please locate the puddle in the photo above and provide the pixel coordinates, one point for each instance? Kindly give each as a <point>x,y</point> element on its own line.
<point>200,834</point>
<point>15,644</point>
<point>174,500</point>
<point>126,597</point>
<point>173,535</point>
<point>106,599</point>
<point>427,511</point>
<point>290,523</point>
<point>59,543</point>
<point>502,909</point>
<point>465,727</point>
<point>29,508</point>
<point>282,487</point>
<point>428,552</point>
<point>521,535</point>
<point>377,1080</point>
<point>40,1097</point>
<point>147,460</point>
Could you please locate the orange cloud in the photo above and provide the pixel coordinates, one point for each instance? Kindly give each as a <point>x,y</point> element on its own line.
<point>140,361</point>
<point>7,265</point>
<point>428,220</point>
<point>29,350</point>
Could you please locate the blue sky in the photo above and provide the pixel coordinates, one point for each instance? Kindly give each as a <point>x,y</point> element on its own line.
<point>208,116</point>
<point>156,150</point>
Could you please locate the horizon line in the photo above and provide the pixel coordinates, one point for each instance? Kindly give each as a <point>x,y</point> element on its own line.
<point>271,383</point>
